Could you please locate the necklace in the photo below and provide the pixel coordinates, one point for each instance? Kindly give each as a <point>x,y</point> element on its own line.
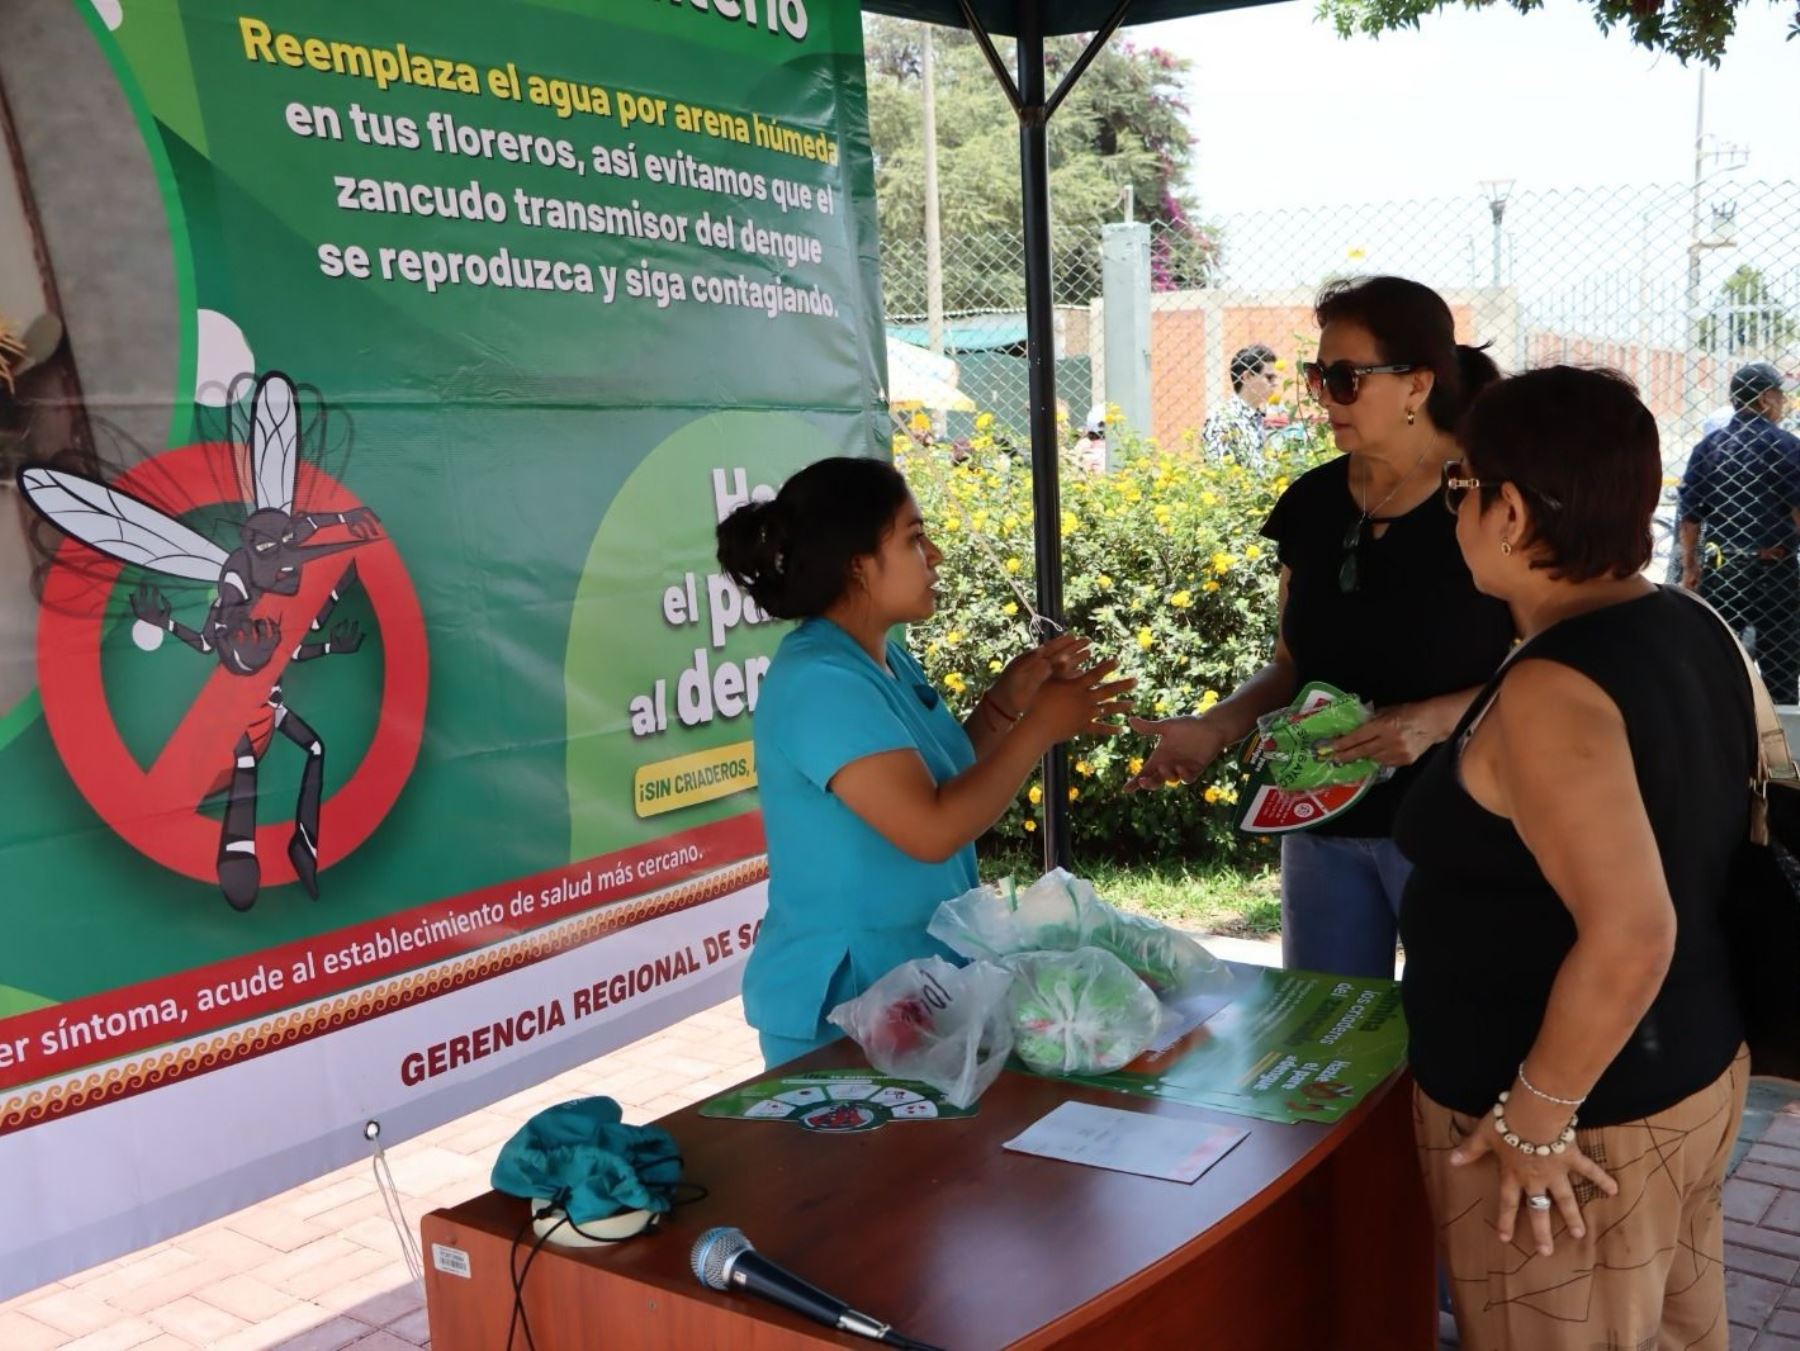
<point>1349,578</point>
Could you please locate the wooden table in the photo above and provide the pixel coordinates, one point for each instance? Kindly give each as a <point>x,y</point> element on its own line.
<point>1303,1238</point>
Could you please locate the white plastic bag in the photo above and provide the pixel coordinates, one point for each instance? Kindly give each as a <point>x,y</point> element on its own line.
<point>943,1025</point>
<point>1059,913</point>
<point>1080,1012</point>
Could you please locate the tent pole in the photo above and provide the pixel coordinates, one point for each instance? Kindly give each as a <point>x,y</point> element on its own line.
<point>1040,334</point>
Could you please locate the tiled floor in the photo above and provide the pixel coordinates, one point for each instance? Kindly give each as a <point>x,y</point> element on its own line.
<point>319,1268</point>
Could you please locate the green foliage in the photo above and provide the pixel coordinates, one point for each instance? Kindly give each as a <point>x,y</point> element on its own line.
<point>1163,566</point>
<point>1123,125</point>
<point>1749,317</point>
<point>1686,29</point>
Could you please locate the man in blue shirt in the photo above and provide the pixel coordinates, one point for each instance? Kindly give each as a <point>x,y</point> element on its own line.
<point>1740,525</point>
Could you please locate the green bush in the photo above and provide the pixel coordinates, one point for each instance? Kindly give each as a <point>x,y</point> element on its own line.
<point>1163,566</point>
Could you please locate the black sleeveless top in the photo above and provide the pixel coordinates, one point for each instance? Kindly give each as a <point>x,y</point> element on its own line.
<point>1485,933</point>
<point>1414,628</point>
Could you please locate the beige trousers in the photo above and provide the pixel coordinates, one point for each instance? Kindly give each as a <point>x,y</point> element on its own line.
<point>1650,1273</point>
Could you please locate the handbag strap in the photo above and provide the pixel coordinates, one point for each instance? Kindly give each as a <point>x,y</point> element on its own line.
<point>1774,758</point>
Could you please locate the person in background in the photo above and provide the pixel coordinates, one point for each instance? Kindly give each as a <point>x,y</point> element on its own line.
<point>873,795</point>
<point>1740,525</point>
<point>1575,1039</point>
<point>1090,450</point>
<point>1237,429</point>
<point>1374,599</point>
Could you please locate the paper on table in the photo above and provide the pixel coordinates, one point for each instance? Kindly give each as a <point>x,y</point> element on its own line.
<point>1128,1142</point>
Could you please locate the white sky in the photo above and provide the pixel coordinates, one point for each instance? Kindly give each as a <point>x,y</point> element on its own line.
<point>1288,113</point>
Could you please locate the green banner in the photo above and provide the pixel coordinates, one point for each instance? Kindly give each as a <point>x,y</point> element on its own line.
<point>410,639</point>
<point>1293,1046</point>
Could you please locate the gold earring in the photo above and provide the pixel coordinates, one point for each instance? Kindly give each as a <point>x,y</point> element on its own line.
<point>1411,417</point>
<point>1506,547</point>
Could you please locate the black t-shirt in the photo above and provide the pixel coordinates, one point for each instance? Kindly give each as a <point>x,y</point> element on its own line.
<point>1414,628</point>
<point>1485,932</point>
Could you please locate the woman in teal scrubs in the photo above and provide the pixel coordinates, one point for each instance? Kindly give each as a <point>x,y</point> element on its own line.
<point>873,795</point>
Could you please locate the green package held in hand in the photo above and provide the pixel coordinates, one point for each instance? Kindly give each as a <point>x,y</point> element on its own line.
<point>1288,744</point>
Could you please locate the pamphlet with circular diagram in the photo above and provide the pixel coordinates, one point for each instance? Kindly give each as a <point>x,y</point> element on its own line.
<point>834,1101</point>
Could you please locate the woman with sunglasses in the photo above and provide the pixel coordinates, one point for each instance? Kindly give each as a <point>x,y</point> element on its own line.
<point>1375,599</point>
<point>873,795</point>
<point>1564,951</point>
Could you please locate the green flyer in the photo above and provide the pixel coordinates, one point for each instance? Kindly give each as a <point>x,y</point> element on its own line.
<point>834,1101</point>
<point>1293,1046</point>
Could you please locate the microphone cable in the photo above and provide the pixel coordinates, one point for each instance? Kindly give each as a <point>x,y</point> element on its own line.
<point>680,1194</point>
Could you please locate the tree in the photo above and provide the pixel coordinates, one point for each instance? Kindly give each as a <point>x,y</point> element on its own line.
<point>1686,29</point>
<point>1123,125</point>
<point>1748,318</point>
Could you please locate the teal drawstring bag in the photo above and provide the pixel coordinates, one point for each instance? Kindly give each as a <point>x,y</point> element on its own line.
<point>579,1165</point>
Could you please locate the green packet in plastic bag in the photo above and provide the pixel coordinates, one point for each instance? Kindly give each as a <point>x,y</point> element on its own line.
<point>1294,787</point>
<point>1288,740</point>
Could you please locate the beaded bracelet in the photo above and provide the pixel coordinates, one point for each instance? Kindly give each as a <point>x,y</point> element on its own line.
<point>1556,1146</point>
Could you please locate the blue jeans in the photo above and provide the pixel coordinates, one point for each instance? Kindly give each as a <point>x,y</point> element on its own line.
<point>1340,904</point>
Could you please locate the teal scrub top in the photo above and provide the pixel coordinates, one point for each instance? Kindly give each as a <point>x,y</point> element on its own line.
<point>845,906</point>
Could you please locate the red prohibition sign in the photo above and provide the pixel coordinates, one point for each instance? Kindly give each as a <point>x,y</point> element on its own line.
<point>157,810</point>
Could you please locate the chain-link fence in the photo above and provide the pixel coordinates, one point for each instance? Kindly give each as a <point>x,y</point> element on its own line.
<point>1679,287</point>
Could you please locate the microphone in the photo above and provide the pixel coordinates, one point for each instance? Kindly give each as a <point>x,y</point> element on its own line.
<point>723,1258</point>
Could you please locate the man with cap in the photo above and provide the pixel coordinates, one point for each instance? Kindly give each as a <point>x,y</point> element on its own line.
<point>1740,525</point>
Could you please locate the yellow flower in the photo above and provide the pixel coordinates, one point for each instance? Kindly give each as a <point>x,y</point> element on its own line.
<point>1208,699</point>
<point>1222,563</point>
<point>1355,253</point>
<point>1228,795</point>
<point>1030,826</point>
<point>1083,768</point>
<point>1105,582</point>
<point>953,637</point>
<point>1011,607</point>
<point>1281,363</point>
<point>952,524</point>
<point>955,683</point>
<point>1114,413</point>
<point>980,521</point>
<point>981,443</point>
<point>920,423</point>
<point>1212,796</point>
<point>995,667</point>
<point>1074,793</point>
<point>1136,764</point>
<point>1013,565</point>
<point>1253,552</point>
<point>1181,599</point>
<point>1145,638</point>
<point>1209,499</point>
<point>1070,523</point>
<point>1162,707</point>
<point>1162,515</point>
<point>1280,484</point>
<point>1210,586</point>
<point>983,421</point>
<point>1036,794</point>
<point>1011,522</point>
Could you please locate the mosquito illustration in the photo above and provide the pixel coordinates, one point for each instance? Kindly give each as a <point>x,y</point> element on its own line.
<point>272,551</point>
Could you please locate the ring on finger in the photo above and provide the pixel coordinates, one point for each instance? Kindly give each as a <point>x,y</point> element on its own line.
<point>1538,1202</point>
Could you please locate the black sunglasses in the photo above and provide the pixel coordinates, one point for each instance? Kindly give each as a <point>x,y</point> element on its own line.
<point>1343,381</point>
<point>1457,487</point>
